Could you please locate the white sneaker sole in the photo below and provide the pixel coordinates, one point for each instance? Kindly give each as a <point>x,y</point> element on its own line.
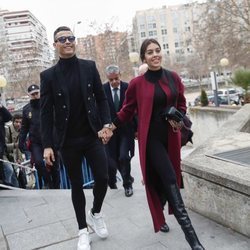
<point>91,225</point>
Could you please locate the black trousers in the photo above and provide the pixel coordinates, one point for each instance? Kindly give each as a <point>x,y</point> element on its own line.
<point>50,178</point>
<point>119,157</point>
<point>72,154</point>
<point>160,171</point>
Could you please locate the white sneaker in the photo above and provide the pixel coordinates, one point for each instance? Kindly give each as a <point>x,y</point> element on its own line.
<point>98,224</point>
<point>84,240</point>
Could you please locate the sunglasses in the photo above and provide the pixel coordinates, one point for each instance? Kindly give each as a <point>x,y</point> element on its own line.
<point>63,39</point>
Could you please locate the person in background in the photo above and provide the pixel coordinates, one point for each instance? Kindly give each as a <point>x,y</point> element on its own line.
<point>120,148</point>
<point>142,69</point>
<point>13,154</point>
<point>73,100</point>
<point>5,116</point>
<point>159,139</point>
<point>48,177</point>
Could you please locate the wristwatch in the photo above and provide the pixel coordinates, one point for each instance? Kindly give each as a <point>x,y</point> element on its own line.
<point>108,125</point>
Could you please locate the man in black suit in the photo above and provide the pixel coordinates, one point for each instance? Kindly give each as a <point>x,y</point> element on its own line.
<point>73,100</point>
<point>120,148</point>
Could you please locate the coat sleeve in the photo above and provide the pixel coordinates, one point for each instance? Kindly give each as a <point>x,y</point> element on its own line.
<point>24,130</point>
<point>181,100</point>
<point>6,115</point>
<point>101,98</point>
<point>46,111</point>
<point>129,106</point>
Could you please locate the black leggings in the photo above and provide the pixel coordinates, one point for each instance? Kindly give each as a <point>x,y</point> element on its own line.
<point>158,162</point>
<point>93,151</point>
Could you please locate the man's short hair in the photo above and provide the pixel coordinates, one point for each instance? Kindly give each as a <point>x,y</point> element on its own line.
<point>17,116</point>
<point>112,69</point>
<point>59,29</point>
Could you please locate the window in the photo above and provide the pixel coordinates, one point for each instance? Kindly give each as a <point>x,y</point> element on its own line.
<point>165,46</point>
<point>164,32</point>
<point>143,34</point>
<point>152,25</point>
<point>142,26</point>
<point>176,45</point>
<point>175,30</point>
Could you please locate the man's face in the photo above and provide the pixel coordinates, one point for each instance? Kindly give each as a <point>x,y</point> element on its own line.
<point>17,124</point>
<point>114,79</point>
<point>35,95</point>
<point>65,44</point>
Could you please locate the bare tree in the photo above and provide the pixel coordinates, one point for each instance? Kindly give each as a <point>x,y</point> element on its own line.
<point>223,30</point>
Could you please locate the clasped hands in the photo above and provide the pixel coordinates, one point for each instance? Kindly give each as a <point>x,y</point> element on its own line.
<point>106,133</point>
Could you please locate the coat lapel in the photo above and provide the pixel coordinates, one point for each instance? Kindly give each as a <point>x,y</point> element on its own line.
<point>61,84</point>
<point>83,80</point>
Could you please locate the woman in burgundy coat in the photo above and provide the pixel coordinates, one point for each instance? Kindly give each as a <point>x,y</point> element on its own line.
<point>159,145</point>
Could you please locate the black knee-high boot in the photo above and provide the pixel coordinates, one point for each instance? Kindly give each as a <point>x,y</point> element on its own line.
<point>180,213</point>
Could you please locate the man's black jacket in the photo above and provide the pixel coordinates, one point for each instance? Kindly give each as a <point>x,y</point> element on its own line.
<point>55,101</point>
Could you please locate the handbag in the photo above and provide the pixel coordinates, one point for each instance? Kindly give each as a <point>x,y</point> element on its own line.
<point>181,122</point>
<point>186,123</point>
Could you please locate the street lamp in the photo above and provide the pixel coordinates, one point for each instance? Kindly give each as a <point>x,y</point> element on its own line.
<point>224,63</point>
<point>134,58</point>
<point>3,84</point>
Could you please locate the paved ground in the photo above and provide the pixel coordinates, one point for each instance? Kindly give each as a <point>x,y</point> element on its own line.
<point>44,219</point>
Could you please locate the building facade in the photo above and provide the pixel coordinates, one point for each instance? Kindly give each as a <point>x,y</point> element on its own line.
<point>171,26</point>
<point>24,49</point>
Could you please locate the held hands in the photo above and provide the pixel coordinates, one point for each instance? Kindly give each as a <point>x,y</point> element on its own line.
<point>49,156</point>
<point>106,133</point>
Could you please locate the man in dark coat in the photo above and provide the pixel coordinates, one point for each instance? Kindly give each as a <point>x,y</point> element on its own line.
<point>5,116</point>
<point>73,100</point>
<point>120,148</point>
<point>47,177</point>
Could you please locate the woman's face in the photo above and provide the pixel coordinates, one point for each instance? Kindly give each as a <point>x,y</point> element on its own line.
<point>153,56</point>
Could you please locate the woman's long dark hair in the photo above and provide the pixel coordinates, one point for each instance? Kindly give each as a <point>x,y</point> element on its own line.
<point>144,46</point>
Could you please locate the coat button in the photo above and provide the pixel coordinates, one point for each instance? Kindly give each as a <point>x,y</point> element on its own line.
<point>89,111</point>
<point>66,119</point>
<point>64,106</point>
<point>59,94</point>
<point>88,98</point>
<point>89,85</point>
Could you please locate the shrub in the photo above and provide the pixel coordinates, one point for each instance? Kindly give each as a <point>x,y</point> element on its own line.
<point>204,99</point>
<point>242,78</point>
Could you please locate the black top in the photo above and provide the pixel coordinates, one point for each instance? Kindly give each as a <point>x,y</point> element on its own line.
<point>160,98</point>
<point>78,125</point>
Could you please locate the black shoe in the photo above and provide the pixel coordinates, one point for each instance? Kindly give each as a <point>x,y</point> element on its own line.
<point>132,179</point>
<point>128,191</point>
<point>113,186</point>
<point>164,228</point>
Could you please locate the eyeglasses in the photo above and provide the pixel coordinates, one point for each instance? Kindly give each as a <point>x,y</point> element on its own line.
<point>63,39</point>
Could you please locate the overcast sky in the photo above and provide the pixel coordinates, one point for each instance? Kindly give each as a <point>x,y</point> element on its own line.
<point>54,13</point>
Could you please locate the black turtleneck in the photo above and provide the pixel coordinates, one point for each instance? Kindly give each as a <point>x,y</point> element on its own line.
<point>78,125</point>
<point>160,98</point>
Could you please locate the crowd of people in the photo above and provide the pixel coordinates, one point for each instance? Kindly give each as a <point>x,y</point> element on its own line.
<point>72,115</point>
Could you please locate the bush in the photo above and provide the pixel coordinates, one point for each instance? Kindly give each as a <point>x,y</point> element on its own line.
<point>242,78</point>
<point>204,99</point>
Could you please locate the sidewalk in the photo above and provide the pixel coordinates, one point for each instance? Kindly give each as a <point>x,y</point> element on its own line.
<point>44,219</point>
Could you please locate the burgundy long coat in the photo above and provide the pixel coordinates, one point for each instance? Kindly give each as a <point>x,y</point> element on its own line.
<point>139,98</point>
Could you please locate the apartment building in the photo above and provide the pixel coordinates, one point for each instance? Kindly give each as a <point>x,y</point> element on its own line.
<point>24,48</point>
<point>172,27</point>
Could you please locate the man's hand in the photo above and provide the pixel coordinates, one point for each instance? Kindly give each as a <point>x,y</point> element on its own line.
<point>49,156</point>
<point>105,134</point>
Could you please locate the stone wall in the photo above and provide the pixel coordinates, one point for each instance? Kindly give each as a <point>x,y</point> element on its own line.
<point>216,188</point>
